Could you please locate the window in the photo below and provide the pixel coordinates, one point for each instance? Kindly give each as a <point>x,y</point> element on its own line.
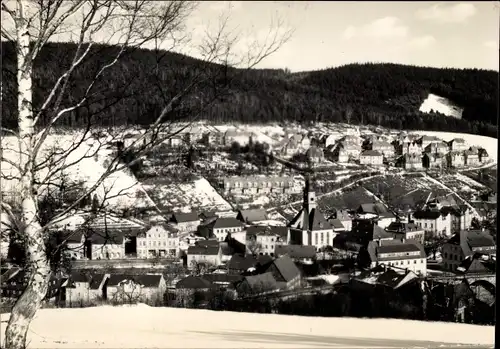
<point>415,261</point>
<point>425,225</point>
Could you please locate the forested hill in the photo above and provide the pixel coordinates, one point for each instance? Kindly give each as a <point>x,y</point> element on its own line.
<point>383,94</point>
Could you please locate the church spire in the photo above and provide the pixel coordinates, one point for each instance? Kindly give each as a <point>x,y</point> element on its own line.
<point>309,195</point>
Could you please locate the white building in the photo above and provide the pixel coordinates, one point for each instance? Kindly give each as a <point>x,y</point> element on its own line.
<point>371,158</point>
<point>158,241</point>
<point>400,255</point>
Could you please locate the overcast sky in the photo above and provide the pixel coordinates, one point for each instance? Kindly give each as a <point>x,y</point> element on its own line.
<point>329,34</point>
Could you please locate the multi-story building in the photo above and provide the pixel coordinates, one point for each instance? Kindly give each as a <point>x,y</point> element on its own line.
<point>185,221</point>
<point>424,141</point>
<point>262,240</point>
<point>457,144</point>
<point>220,227</point>
<point>352,149</point>
<point>436,222</point>
<point>210,255</point>
<point>437,148</point>
<point>309,227</point>
<point>371,158</point>
<point>402,255</point>
<point>455,159</point>
<point>464,244</point>
<point>258,185</point>
<point>344,217</point>
<point>158,241</point>
<point>413,161</point>
<point>411,148</point>
<point>406,231</point>
<point>471,158</point>
<point>434,161</point>
<point>383,147</point>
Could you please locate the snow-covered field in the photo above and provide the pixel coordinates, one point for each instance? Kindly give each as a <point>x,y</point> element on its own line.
<point>144,327</point>
<point>86,162</point>
<point>441,105</point>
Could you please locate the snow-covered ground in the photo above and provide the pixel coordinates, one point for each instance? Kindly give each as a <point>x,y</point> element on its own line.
<point>141,326</point>
<point>488,143</point>
<point>441,105</point>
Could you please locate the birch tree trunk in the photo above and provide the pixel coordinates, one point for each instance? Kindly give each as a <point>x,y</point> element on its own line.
<point>31,232</point>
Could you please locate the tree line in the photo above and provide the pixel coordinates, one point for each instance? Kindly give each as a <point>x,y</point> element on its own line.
<point>371,94</point>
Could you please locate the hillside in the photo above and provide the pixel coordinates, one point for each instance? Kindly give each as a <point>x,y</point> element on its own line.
<point>133,91</point>
<point>145,327</point>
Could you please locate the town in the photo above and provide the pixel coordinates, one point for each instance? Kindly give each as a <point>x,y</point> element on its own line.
<point>434,254</point>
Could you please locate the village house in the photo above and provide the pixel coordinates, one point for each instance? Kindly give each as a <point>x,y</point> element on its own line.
<point>207,255</point>
<point>303,141</point>
<point>298,253</point>
<point>75,244</point>
<point>262,240</point>
<point>258,185</point>
<point>128,288</point>
<point>437,148</point>
<point>455,159</point>
<point>338,153</point>
<point>240,137</point>
<point>252,215</point>
<point>309,227</point>
<point>256,284</point>
<point>424,141</point>
<point>186,288</point>
<point>365,230</point>
<point>353,150</point>
<point>315,155</point>
<point>436,221</point>
<point>104,244</point>
<point>239,264</point>
<point>158,241</point>
<point>465,244</point>
<point>381,214</point>
<point>433,161</point>
<point>194,134</point>
<point>411,148</point>
<point>284,271</point>
<point>406,231</point>
<point>344,217</point>
<point>371,158</point>
<point>471,158</point>
<point>483,155</point>
<point>288,146</point>
<point>82,288</point>
<point>383,147</point>
<point>185,221</point>
<point>412,161</point>
<point>220,227</point>
<point>457,144</point>
<point>401,256</point>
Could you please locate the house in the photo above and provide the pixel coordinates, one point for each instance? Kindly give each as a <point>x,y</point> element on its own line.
<point>366,230</point>
<point>240,263</point>
<point>406,231</point>
<point>303,141</point>
<point>223,281</point>
<point>206,255</point>
<point>381,214</point>
<point>483,155</point>
<point>160,240</point>
<point>185,221</point>
<point>298,253</point>
<point>336,224</point>
<point>457,144</point>
<point>191,290</point>
<point>329,139</point>
<point>401,256</point>
<point>383,147</point>
<point>478,263</point>
<point>344,217</point>
<point>385,277</point>
<point>257,185</point>
<point>471,158</point>
<point>240,137</point>
<point>455,159</point>
<point>465,244</point>
<point>424,141</point>
<point>250,216</point>
<point>339,154</point>
<point>315,155</point>
<point>413,161</point>
<point>221,227</point>
<point>371,158</point>
<point>309,227</point>
<point>104,244</point>
<point>432,161</point>
<point>440,148</point>
<point>147,288</point>
<point>284,271</point>
<point>75,243</point>
<point>411,148</point>
<point>435,221</point>
<point>82,288</point>
<point>255,284</point>
<point>352,149</point>
<point>262,240</point>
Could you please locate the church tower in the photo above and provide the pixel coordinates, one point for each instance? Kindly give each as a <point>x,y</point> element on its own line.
<point>309,196</point>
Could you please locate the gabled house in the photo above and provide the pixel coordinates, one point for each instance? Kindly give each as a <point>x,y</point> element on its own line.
<point>251,216</point>
<point>338,153</point>
<point>104,244</point>
<point>285,272</point>
<point>406,231</point>
<point>465,244</point>
<point>206,255</point>
<point>221,227</point>
<point>434,161</point>
<point>135,287</point>
<point>400,256</point>
<point>256,284</point>
<point>329,139</point>
<point>435,221</point>
<point>437,148</point>
<point>75,243</point>
<point>455,159</point>
<point>457,144</point>
<point>411,148</point>
<point>239,264</point>
<point>185,221</point>
<point>262,240</point>
<point>343,216</point>
<point>483,155</point>
<point>412,161</point>
<point>383,147</point>
<point>352,149</point>
<point>315,155</point>
<point>371,158</point>
<point>309,226</point>
<point>471,158</point>
<point>83,288</point>
<point>298,253</point>
<point>381,214</point>
<point>160,240</point>
<point>424,141</point>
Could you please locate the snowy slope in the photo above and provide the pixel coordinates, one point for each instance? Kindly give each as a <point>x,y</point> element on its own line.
<point>87,162</point>
<point>441,105</point>
<point>144,327</point>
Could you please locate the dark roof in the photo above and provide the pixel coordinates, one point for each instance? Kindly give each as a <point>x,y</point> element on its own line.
<point>295,251</point>
<point>183,217</point>
<point>146,280</point>
<point>315,220</point>
<point>286,269</point>
<point>390,278</point>
<point>380,233</point>
<point>261,282</point>
<point>96,280</point>
<point>225,222</point>
<point>371,153</point>
<point>400,227</point>
<point>203,250</point>
<point>475,238</point>
<point>101,236</point>
<point>267,230</point>
<point>206,243</point>
<point>477,263</point>
<point>253,215</point>
<point>242,263</point>
<point>427,214</point>
<point>194,282</point>
<point>398,248</point>
<point>375,208</point>
<point>222,278</point>
<point>336,223</point>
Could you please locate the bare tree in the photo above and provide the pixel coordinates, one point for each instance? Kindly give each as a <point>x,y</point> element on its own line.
<point>129,25</point>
